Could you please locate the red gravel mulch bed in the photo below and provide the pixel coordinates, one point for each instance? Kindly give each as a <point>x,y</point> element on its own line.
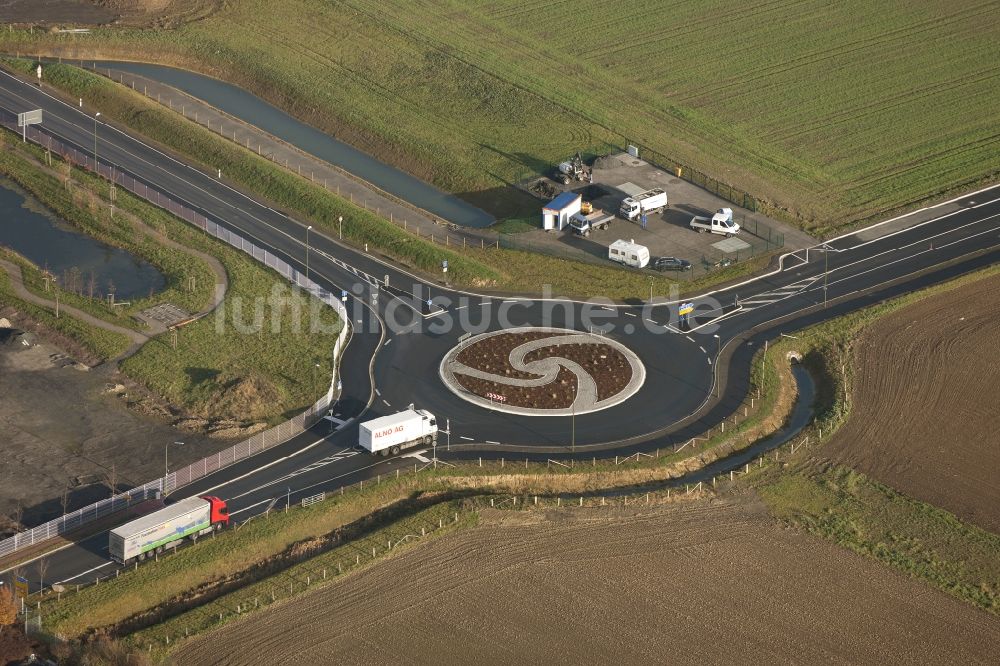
<point>493,354</point>
<point>559,394</point>
<point>610,369</point>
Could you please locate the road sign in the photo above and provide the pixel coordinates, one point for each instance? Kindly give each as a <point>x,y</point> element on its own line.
<point>29,118</point>
<point>21,587</point>
<point>343,295</point>
<point>685,309</point>
<point>444,266</point>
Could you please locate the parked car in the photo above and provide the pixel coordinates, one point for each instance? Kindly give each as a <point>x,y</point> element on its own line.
<point>670,264</point>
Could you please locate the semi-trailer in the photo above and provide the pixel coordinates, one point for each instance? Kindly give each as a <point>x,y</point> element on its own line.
<point>395,432</point>
<point>155,532</point>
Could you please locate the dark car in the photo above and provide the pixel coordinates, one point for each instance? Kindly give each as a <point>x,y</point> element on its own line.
<point>670,264</point>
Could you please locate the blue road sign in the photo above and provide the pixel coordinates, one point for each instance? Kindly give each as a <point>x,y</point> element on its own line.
<point>343,295</point>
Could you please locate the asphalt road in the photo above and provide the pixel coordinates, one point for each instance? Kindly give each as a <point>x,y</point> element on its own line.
<point>398,340</point>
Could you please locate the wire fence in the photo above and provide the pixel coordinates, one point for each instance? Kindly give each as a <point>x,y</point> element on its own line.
<point>255,444</point>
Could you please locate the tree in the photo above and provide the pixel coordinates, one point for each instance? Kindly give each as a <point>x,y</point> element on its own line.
<point>8,607</point>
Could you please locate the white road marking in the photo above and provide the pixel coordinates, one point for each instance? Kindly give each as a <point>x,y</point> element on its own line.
<point>99,566</point>
<point>468,439</point>
<point>630,314</point>
<point>386,402</point>
<point>270,464</point>
<point>337,457</point>
<point>251,506</point>
<point>489,442</point>
<point>702,349</point>
<point>418,456</point>
<point>386,343</point>
<point>689,338</point>
<point>377,392</point>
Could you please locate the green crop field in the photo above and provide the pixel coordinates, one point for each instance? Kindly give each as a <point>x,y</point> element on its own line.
<point>834,111</point>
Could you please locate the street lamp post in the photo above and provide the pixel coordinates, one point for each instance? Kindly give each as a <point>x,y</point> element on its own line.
<point>166,449</point>
<point>340,222</point>
<point>826,271</point>
<point>718,353</point>
<point>572,441</point>
<point>96,116</point>
<point>308,229</point>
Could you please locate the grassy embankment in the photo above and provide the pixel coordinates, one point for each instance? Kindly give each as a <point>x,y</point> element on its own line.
<point>472,97</point>
<point>492,268</point>
<point>859,513</point>
<point>261,369</point>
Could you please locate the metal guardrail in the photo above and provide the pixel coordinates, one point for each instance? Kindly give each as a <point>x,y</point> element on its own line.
<point>240,451</point>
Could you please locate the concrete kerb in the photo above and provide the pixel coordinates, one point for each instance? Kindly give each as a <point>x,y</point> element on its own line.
<point>546,369</point>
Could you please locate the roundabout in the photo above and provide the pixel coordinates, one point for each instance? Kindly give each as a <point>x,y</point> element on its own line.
<point>537,371</point>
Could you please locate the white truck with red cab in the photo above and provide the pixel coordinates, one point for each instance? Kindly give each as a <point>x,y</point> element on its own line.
<point>395,432</point>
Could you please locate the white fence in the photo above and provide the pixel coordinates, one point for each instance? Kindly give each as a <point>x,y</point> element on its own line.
<point>255,444</point>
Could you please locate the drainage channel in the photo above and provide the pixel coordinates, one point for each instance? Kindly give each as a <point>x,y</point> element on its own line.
<point>254,111</point>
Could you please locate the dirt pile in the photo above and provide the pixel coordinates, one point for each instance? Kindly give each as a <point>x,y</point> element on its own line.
<point>244,399</point>
<point>924,399</point>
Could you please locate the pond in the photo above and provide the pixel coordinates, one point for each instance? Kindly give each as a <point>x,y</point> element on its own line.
<point>78,261</point>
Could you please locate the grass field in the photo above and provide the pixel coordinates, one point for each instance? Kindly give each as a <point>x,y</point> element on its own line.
<point>253,359</point>
<point>835,112</point>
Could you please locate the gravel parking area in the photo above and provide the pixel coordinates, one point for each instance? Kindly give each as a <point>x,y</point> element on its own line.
<point>666,233</point>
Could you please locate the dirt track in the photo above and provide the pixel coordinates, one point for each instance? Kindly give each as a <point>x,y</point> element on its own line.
<point>925,414</point>
<point>713,583</point>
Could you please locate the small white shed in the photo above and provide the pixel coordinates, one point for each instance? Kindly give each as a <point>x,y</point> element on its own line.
<point>558,212</point>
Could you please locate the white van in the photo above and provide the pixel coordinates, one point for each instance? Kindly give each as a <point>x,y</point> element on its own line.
<point>629,253</point>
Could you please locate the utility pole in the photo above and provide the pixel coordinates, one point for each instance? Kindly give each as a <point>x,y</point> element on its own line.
<point>572,445</point>
<point>718,353</point>
<point>826,269</point>
<point>166,448</point>
<point>308,229</point>
<point>340,222</point>
<point>96,116</point>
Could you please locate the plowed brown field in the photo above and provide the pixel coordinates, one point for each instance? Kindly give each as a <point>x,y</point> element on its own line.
<point>925,416</point>
<point>714,583</point>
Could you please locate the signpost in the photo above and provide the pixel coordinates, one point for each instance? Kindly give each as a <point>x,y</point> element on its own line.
<point>683,311</point>
<point>28,118</point>
<point>444,266</point>
<point>21,587</point>
<point>343,295</point>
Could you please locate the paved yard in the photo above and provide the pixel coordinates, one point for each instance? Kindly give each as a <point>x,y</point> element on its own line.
<point>666,233</point>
